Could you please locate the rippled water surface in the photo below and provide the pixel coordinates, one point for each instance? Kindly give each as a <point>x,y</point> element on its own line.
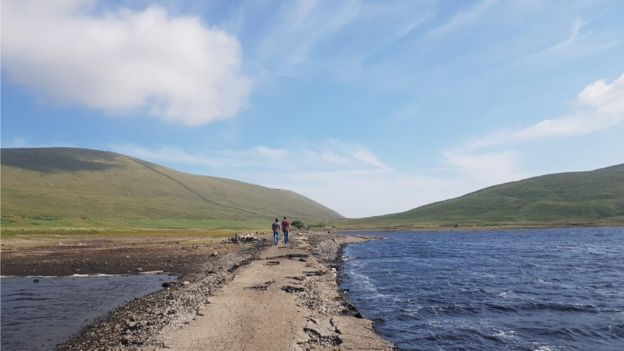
<point>556,289</point>
<point>39,315</point>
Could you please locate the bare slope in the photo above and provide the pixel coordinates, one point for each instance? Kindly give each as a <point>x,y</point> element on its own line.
<point>67,186</point>
<point>575,198</point>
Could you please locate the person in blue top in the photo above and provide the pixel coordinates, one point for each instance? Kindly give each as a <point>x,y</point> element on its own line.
<point>276,226</point>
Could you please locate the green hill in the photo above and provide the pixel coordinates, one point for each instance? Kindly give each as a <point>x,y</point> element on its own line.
<point>578,198</point>
<point>67,187</point>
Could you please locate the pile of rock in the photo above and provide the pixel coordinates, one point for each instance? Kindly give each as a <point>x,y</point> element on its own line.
<point>244,238</point>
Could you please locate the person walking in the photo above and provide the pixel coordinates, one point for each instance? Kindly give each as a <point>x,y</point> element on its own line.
<point>276,227</point>
<point>285,229</point>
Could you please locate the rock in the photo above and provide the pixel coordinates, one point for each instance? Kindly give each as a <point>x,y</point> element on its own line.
<point>35,280</point>
<point>139,269</point>
<point>244,237</point>
<point>186,282</point>
<point>215,254</point>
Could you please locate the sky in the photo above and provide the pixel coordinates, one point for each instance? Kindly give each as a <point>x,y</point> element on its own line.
<point>368,107</point>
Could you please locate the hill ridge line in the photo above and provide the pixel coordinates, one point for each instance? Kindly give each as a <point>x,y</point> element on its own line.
<point>146,165</point>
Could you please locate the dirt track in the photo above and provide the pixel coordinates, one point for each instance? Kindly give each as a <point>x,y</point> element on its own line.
<point>285,300</point>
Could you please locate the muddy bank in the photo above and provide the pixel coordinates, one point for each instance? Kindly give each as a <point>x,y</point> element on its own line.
<point>54,255</point>
<point>135,324</point>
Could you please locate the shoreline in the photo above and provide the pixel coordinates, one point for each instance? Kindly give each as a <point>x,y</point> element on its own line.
<point>324,317</point>
<point>348,231</point>
<point>134,324</point>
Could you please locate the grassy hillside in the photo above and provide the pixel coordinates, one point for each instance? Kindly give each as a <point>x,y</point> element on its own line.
<point>66,187</point>
<point>579,198</point>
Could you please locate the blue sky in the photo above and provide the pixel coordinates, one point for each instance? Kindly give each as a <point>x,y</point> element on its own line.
<point>368,107</point>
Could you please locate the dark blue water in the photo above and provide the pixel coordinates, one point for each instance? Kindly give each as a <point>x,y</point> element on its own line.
<point>38,316</point>
<point>556,289</point>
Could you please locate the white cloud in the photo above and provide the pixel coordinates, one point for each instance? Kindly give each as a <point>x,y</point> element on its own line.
<point>598,106</point>
<point>368,158</point>
<point>270,153</point>
<point>606,98</point>
<point>327,156</point>
<point>173,68</point>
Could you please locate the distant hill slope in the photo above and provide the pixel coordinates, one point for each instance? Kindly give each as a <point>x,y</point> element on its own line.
<point>578,198</point>
<point>67,186</point>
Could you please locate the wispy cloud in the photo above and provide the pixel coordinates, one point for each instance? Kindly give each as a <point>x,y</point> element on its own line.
<point>494,158</point>
<point>485,168</point>
<point>463,18</point>
<point>19,142</point>
<point>598,106</point>
<point>299,28</point>
<point>580,41</point>
<point>333,37</point>
<point>124,61</point>
<point>326,156</point>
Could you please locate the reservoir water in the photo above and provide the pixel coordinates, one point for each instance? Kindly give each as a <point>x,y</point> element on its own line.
<point>555,289</point>
<point>40,312</point>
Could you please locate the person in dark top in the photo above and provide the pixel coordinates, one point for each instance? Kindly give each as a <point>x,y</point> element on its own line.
<point>276,226</point>
<point>285,229</point>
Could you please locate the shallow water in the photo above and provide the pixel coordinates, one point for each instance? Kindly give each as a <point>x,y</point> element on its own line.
<point>556,289</point>
<point>38,316</point>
